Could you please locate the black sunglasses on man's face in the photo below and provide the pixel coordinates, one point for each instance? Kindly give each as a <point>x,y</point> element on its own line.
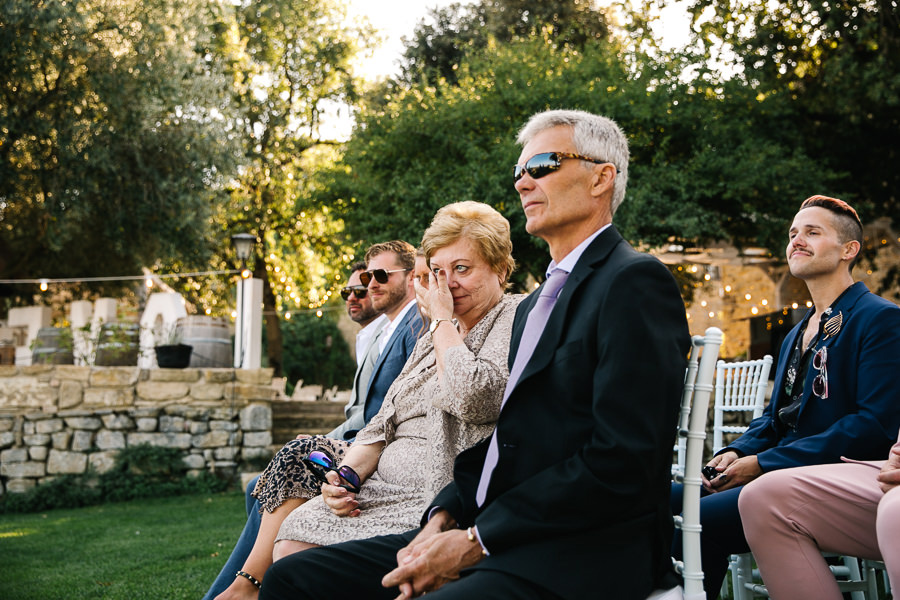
<point>359,291</point>
<point>379,275</point>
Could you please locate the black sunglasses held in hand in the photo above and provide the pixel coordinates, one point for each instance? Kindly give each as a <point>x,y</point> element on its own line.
<point>541,165</point>
<point>321,462</point>
<point>359,290</point>
<point>379,275</point>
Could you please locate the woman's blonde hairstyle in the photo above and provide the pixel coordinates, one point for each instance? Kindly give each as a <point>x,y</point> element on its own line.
<point>479,223</point>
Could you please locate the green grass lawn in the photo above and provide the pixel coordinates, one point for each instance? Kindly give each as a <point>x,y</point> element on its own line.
<point>161,549</point>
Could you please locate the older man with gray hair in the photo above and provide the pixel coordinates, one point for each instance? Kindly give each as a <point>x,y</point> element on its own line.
<point>577,471</point>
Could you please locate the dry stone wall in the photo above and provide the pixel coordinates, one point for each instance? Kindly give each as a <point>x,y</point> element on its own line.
<point>58,420</point>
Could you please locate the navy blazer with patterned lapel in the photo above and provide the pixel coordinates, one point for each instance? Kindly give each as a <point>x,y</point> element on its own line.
<point>861,415</point>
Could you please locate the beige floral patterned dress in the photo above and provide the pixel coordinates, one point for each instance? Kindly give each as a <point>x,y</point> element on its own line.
<point>425,422</point>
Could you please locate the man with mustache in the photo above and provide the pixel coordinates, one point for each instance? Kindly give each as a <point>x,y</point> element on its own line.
<point>835,385</point>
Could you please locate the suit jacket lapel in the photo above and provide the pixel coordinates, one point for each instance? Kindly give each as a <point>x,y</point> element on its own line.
<point>355,396</point>
<point>590,261</point>
<point>396,335</point>
<point>519,325</point>
<point>784,357</point>
<point>845,305</point>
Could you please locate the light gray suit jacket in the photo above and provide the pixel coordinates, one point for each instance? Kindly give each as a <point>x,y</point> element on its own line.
<point>389,364</point>
<point>355,408</point>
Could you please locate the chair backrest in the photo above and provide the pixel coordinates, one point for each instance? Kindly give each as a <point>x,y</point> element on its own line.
<point>740,387</point>
<point>700,383</point>
<point>687,393</point>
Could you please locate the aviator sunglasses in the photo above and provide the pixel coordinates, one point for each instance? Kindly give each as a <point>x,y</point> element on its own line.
<point>379,275</point>
<point>321,462</point>
<point>541,165</point>
<point>359,290</point>
<point>820,383</point>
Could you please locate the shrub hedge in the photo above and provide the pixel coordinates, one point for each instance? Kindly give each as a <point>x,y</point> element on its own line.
<point>141,471</point>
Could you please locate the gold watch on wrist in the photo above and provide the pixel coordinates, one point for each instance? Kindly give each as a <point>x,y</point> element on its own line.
<point>436,322</point>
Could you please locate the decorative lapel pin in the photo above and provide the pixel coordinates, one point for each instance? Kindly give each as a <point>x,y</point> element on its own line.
<point>833,325</point>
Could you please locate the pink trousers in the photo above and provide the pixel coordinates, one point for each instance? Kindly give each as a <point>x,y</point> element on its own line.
<point>791,516</point>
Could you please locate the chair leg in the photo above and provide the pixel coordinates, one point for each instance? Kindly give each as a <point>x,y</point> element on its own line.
<point>736,583</point>
<point>741,575</point>
<point>871,570</point>
<point>870,575</point>
<point>852,564</point>
<point>852,579</point>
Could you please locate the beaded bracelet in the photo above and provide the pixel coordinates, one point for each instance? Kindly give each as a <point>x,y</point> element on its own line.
<point>252,579</point>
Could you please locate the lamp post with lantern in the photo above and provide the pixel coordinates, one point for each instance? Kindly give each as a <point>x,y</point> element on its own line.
<point>248,326</point>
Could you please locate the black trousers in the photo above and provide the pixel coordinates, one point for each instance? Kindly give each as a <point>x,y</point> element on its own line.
<point>353,571</point>
<point>722,535</point>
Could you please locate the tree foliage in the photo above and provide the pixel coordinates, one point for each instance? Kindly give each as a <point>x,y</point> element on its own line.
<point>110,157</point>
<point>441,41</point>
<point>834,69</point>
<point>145,134</point>
<point>286,60</point>
<point>717,152</point>
<point>316,352</point>
<point>705,163</point>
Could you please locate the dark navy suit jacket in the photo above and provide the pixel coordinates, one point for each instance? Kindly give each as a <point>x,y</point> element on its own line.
<point>585,438</point>
<point>861,415</point>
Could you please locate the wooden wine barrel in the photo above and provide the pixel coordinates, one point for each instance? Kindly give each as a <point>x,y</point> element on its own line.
<point>210,338</point>
<point>52,346</point>
<point>118,345</point>
<point>7,354</point>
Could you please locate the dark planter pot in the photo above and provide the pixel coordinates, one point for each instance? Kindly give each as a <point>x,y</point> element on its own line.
<point>177,356</point>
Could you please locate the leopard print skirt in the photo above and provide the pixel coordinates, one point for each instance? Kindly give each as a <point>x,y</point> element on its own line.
<point>287,476</point>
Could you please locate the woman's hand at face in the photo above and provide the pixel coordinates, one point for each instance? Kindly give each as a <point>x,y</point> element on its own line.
<point>436,299</point>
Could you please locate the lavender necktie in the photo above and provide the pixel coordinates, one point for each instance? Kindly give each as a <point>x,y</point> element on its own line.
<point>534,327</point>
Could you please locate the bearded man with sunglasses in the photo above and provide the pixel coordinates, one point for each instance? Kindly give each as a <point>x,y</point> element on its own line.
<point>388,335</point>
<point>577,470</point>
<point>360,310</point>
<point>389,278</point>
<point>835,391</point>
<point>372,322</point>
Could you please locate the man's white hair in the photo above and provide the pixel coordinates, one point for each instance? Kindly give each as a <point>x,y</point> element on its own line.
<point>592,135</point>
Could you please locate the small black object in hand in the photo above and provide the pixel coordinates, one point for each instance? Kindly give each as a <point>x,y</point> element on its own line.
<point>710,472</point>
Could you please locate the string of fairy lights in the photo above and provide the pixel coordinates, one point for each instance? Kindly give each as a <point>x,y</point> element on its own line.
<point>723,298</point>
<point>290,300</point>
<point>725,302</point>
<point>285,296</point>
<point>739,302</point>
<point>44,282</point>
